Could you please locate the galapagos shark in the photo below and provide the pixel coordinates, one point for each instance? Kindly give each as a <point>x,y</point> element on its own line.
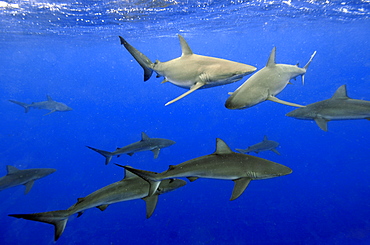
<point>191,71</point>
<point>25,177</point>
<point>130,188</point>
<point>266,83</point>
<point>265,145</point>
<point>145,144</point>
<point>222,164</point>
<point>49,104</point>
<point>338,107</point>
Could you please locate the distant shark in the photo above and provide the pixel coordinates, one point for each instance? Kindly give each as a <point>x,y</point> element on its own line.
<point>222,164</point>
<point>338,107</point>
<point>145,144</point>
<point>265,145</point>
<point>265,84</point>
<point>25,177</point>
<point>50,104</point>
<point>130,188</point>
<point>191,71</point>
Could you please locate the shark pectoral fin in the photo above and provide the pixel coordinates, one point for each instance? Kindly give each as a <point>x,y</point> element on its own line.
<point>276,151</point>
<point>322,123</point>
<point>230,93</point>
<point>191,90</point>
<point>274,99</point>
<point>28,185</point>
<point>151,204</point>
<point>49,112</point>
<point>191,179</point>
<point>239,187</point>
<point>156,152</point>
<point>103,207</point>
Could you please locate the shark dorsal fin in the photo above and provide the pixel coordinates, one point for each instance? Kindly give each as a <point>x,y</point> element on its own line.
<point>222,147</point>
<point>185,49</point>
<point>265,138</point>
<point>271,60</point>
<point>144,136</point>
<point>11,169</point>
<point>49,98</point>
<point>341,93</point>
<point>129,174</point>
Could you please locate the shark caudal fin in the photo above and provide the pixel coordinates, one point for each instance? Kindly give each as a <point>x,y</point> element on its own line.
<point>108,155</point>
<point>307,65</point>
<point>143,61</point>
<point>150,177</point>
<point>57,218</point>
<point>24,105</point>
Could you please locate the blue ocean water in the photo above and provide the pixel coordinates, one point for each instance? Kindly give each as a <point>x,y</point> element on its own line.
<point>70,50</point>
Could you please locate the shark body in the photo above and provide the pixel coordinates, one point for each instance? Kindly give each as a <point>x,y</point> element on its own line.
<point>145,144</point>
<point>265,84</point>
<point>222,164</point>
<point>49,104</point>
<point>265,145</point>
<point>191,71</point>
<point>25,177</point>
<point>131,187</point>
<point>338,107</point>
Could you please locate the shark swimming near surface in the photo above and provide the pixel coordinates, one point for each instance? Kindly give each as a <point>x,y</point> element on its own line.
<point>131,187</point>
<point>145,144</point>
<point>49,104</point>
<point>191,71</point>
<point>266,83</point>
<point>222,164</point>
<point>265,145</point>
<point>25,177</point>
<point>338,107</point>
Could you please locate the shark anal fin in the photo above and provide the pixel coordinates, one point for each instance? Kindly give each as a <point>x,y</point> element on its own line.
<point>276,151</point>
<point>274,99</point>
<point>191,90</point>
<point>151,204</point>
<point>79,214</point>
<point>191,179</point>
<point>322,123</point>
<point>29,185</point>
<point>130,154</point>
<point>103,207</point>
<point>156,152</point>
<point>239,187</point>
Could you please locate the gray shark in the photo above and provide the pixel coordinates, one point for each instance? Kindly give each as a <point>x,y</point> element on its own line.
<point>25,177</point>
<point>265,145</point>
<point>265,84</point>
<point>130,188</point>
<point>50,104</point>
<point>145,144</point>
<point>191,71</point>
<point>222,164</point>
<point>338,107</point>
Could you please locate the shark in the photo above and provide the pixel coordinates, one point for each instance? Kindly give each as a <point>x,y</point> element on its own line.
<point>131,187</point>
<point>265,145</point>
<point>49,104</point>
<point>25,177</point>
<point>222,164</point>
<point>266,83</point>
<point>145,144</point>
<point>191,71</point>
<point>338,107</point>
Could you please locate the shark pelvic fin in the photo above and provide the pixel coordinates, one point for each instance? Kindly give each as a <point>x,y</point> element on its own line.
<point>275,99</point>
<point>239,187</point>
<point>191,90</point>
<point>103,207</point>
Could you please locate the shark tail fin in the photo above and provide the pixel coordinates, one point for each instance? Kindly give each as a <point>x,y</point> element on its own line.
<point>24,105</point>
<point>108,155</point>
<point>307,65</point>
<point>143,61</point>
<point>57,218</point>
<point>151,177</point>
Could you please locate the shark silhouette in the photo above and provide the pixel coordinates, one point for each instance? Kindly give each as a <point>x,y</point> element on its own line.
<point>191,71</point>
<point>265,145</point>
<point>49,104</point>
